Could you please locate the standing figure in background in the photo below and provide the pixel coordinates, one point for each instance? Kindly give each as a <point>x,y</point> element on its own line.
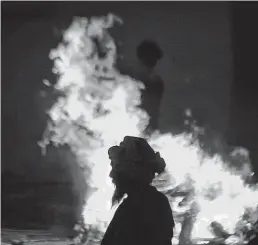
<point>148,54</point>
<point>145,215</point>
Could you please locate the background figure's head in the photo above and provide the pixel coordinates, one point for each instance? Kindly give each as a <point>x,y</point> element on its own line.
<point>134,163</point>
<point>149,53</point>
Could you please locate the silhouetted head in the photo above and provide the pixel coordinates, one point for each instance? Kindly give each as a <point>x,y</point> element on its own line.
<point>134,164</point>
<point>149,53</point>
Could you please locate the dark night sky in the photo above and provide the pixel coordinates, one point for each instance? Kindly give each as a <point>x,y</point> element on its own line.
<point>222,59</point>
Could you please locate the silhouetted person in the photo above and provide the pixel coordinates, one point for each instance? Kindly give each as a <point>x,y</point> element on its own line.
<point>148,54</point>
<point>144,216</point>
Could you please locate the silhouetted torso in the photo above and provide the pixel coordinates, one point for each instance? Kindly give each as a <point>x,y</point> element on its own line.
<point>151,95</point>
<point>143,218</point>
<point>151,99</point>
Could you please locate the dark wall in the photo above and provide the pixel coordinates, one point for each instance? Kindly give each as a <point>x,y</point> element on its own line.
<point>243,123</point>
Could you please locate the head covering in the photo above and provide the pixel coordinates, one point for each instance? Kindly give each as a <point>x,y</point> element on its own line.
<point>135,157</point>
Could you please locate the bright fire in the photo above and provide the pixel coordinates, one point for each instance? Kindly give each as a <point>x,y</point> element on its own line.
<point>99,107</point>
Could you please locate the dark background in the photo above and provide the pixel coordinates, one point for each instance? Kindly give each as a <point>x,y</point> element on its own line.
<point>210,64</point>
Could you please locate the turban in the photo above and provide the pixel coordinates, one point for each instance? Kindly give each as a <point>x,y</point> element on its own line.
<point>135,157</point>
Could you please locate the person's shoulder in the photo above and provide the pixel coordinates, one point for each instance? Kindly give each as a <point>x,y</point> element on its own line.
<point>162,198</point>
<point>163,208</point>
<point>161,204</point>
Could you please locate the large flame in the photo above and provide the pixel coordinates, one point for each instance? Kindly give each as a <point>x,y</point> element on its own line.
<point>99,107</point>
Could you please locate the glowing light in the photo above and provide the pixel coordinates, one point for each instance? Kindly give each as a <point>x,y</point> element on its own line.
<point>99,108</point>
